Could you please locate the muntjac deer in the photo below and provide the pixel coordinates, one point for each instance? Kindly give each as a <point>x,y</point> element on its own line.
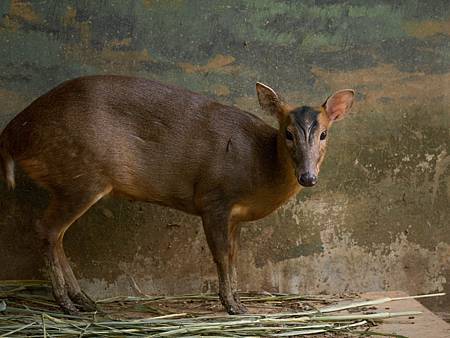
<point>99,135</point>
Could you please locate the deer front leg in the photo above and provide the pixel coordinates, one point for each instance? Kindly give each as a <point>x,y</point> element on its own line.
<point>221,242</point>
<point>234,240</point>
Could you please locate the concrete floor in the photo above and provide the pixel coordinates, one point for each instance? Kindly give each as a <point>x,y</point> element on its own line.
<point>426,325</point>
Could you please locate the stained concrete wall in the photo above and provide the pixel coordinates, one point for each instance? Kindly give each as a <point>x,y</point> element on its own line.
<point>379,218</point>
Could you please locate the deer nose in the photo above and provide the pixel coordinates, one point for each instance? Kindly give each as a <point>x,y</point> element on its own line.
<point>308,180</point>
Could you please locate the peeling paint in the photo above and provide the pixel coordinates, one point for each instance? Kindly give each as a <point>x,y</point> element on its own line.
<point>347,267</point>
<point>442,162</point>
<point>342,267</point>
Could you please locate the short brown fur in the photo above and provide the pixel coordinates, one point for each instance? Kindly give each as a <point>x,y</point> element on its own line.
<point>97,135</point>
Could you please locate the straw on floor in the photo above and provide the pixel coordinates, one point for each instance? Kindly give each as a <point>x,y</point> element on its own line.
<point>28,310</point>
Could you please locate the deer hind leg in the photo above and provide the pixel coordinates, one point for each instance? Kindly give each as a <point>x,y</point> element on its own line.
<point>73,288</point>
<point>64,209</point>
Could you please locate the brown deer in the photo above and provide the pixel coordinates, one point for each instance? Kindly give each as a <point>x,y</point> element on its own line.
<point>99,135</point>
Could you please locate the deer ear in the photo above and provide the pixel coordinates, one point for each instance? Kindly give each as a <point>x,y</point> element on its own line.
<point>338,104</point>
<point>269,100</point>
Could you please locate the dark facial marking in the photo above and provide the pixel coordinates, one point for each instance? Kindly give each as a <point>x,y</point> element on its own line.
<point>306,118</point>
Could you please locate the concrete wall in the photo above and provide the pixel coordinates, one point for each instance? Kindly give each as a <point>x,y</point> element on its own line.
<point>379,218</point>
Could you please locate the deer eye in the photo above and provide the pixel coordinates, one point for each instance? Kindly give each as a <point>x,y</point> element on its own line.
<point>289,135</point>
<point>323,136</point>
